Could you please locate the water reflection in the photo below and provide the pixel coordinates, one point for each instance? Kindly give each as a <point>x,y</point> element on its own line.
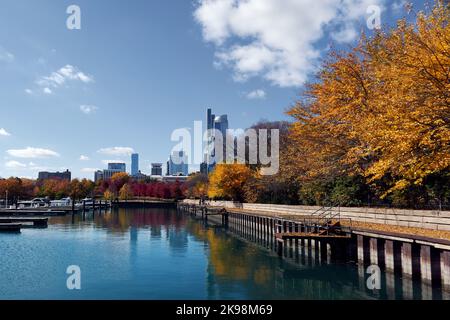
<point>163,254</point>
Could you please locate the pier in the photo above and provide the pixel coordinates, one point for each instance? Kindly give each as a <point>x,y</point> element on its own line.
<point>10,227</point>
<point>36,222</point>
<point>324,238</point>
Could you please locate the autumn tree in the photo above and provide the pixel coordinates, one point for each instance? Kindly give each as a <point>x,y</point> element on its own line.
<point>125,192</point>
<point>197,186</point>
<point>118,180</point>
<point>228,181</point>
<point>381,111</point>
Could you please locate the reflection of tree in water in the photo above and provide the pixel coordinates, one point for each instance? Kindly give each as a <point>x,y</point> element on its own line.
<point>119,221</point>
<point>236,266</point>
<point>232,260</point>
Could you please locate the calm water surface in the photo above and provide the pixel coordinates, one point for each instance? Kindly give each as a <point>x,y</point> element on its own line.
<point>158,254</point>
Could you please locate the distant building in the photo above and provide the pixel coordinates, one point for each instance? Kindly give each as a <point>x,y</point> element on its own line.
<point>44,175</point>
<point>204,168</point>
<point>108,173</point>
<point>113,168</point>
<point>140,176</point>
<point>178,164</point>
<point>98,175</point>
<point>122,167</point>
<point>134,164</point>
<point>157,169</point>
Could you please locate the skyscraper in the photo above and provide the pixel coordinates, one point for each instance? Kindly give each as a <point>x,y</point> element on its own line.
<point>215,125</point>
<point>134,164</point>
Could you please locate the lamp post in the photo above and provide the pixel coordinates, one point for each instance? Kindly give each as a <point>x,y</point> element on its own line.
<point>6,200</point>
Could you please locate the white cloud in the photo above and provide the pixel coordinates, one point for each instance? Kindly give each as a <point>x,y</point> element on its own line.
<point>88,109</point>
<point>399,5</point>
<point>84,158</point>
<point>15,164</point>
<point>4,133</point>
<point>346,33</point>
<point>6,56</point>
<point>89,170</point>
<point>47,91</point>
<point>30,152</point>
<point>116,151</point>
<point>28,91</point>
<point>256,94</point>
<point>274,39</point>
<point>62,76</point>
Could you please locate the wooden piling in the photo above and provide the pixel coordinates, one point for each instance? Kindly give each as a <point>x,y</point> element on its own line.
<point>425,263</point>
<point>445,269</point>
<point>360,240</point>
<point>389,255</point>
<point>374,251</point>
<point>406,256</point>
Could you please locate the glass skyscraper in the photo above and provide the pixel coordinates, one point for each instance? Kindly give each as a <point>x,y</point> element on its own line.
<point>134,164</point>
<point>215,125</point>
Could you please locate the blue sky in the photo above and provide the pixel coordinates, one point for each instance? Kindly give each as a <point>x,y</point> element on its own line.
<point>137,70</point>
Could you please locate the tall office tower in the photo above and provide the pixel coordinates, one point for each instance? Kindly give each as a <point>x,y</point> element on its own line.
<point>215,125</point>
<point>134,164</point>
<point>178,164</point>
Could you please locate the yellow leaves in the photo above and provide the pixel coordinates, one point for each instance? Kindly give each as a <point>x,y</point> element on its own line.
<point>382,109</point>
<point>228,180</point>
<point>108,195</point>
<point>125,192</point>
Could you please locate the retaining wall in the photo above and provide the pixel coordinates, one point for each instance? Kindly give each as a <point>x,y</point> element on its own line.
<point>428,219</point>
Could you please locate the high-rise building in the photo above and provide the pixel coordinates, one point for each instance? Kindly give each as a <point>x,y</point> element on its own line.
<point>98,175</point>
<point>178,164</point>
<point>120,166</point>
<point>44,175</point>
<point>204,168</point>
<point>108,173</point>
<point>113,168</point>
<point>134,164</point>
<point>215,125</point>
<point>157,169</point>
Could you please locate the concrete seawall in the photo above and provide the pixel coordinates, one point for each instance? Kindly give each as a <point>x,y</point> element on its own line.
<point>427,219</point>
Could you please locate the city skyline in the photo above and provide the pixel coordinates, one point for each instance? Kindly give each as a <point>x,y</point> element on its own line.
<point>80,99</point>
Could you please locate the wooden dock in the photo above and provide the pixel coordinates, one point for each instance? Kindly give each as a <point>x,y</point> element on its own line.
<point>31,213</point>
<point>35,222</point>
<point>10,227</point>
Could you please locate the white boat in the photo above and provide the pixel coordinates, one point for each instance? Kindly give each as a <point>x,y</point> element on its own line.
<point>87,202</point>
<point>64,202</point>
